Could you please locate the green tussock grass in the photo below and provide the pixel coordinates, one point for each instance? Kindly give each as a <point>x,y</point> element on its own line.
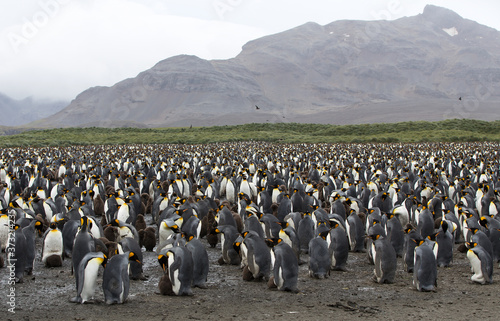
<point>456,130</point>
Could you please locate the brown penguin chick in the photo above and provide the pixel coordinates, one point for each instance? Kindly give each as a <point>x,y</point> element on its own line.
<point>112,249</point>
<point>274,209</point>
<point>147,238</point>
<point>98,206</point>
<point>239,222</point>
<point>53,261</point>
<point>212,238</point>
<point>140,223</point>
<point>362,216</point>
<point>103,220</point>
<point>247,275</point>
<point>100,245</point>
<point>437,222</point>
<point>211,219</point>
<point>204,227</point>
<point>110,190</point>
<point>165,285</point>
<point>111,233</point>
<point>147,202</point>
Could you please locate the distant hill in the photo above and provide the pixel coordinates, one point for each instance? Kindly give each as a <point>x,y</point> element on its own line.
<point>20,112</point>
<point>432,66</point>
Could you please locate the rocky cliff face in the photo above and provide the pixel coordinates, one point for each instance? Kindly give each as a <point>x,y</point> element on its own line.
<point>432,66</point>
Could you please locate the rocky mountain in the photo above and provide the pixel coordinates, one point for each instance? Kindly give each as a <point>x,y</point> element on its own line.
<point>20,112</point>
<point>432,66</point>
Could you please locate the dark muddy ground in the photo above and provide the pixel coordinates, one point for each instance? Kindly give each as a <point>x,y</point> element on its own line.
<point>344,295</point>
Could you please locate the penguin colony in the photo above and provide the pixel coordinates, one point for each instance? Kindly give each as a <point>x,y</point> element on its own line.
<point>270,208</point>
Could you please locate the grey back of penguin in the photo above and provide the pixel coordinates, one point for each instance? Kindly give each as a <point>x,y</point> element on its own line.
<point>115,279</point>
<point>425,267</point>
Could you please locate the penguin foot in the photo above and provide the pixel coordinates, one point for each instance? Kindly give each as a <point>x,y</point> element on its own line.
<point>271,284</point>
<point>76,299</point>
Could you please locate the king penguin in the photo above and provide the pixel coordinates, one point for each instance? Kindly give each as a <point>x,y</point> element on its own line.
<point>338,247</point>
<point>18,248</point>
<point>384,259</point>
<point>4,229</point>
<point>115,279</point>
<point>30,251</point>
<point>305,231</point>
<point>258,256</point>
<point>180,270</point>
<point>355,232</point>
<point>229,234</point>
<point>285,267</point>
<point>412,239</point>
<point>52,247</point>
<point>395,233</point>
<point>319,257</point>
<point>84,243</point>
<point>445,241</point>
<point>481,264</point>
<point>200,262</point>
<point>425,267</point>
<point>86,276</point>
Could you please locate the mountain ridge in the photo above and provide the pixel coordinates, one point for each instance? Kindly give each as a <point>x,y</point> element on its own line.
<point>432,66</point>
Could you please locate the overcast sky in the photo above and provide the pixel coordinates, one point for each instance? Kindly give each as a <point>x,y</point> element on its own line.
<point>58,48</point>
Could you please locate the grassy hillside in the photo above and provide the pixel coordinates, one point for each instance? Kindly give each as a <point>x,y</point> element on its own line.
<point>420,131</point>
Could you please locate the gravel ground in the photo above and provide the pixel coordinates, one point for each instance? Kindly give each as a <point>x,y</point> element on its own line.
<point>345,295</point>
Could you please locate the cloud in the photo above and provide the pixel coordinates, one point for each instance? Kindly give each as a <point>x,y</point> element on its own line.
<point>84,44</point>
<point>58,48</point>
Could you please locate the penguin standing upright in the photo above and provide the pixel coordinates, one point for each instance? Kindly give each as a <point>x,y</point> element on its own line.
<point>229,234</point>
<point>258,257</point>
<point>412,239</point>
<point>355,232</point>
<point>338,247</point>
<point>395,233</point>
<point>84,243</point>
<point>286,266</point>
<point>319,257</point>
<point>131,245</point>
<point>305,231</point>
<point>4,229</point>
<point>425,225</point>
<point>200,262</point>
<point>29,234</point>
<point>180,269</point>
<point>481,264</point>
<point>384,259</point>
<point>425,267</point>
<point>18,251</point>
<point>52,247</point>
<point>445,241</point>
<point>86,276</point>
<point>69,231</point>
<point>493,226</point>
<point>115,279</point>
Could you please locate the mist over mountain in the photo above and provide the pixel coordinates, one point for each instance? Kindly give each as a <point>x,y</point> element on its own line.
<point>20,112</point>
<point>432,66</point>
